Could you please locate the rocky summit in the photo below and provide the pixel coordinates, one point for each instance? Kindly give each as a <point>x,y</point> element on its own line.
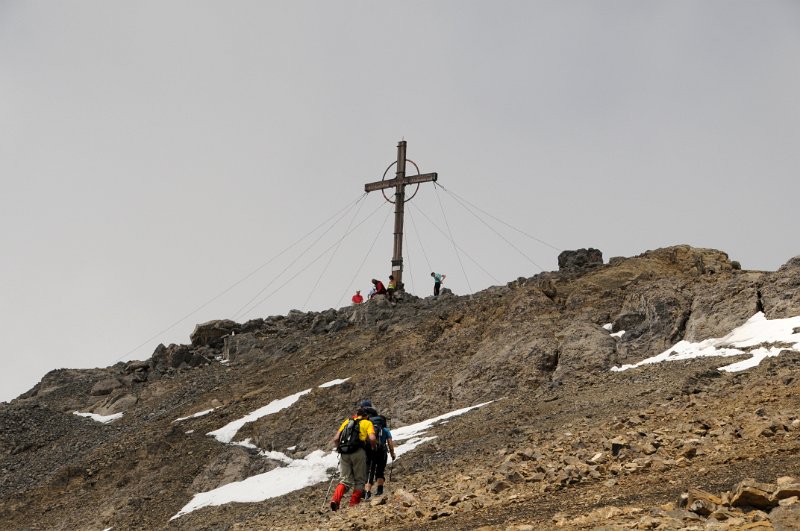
<point>660,391</point>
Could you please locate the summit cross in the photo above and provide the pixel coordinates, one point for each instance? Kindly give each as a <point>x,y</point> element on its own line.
<point>399,184</point>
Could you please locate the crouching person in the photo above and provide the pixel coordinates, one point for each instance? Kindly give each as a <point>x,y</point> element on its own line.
<point>351,441</point>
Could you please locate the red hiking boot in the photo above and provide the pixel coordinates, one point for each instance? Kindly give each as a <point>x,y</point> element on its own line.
<point>337,496</point>
<point>355,498</point>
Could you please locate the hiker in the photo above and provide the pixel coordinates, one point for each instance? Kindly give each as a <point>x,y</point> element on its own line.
<point>438,278</point>
<point>378,457</point>
<point>351,440</point>
<point>391,289</point>
<point>380,289</point>
<point>366,405</point>
<point>357,298</point>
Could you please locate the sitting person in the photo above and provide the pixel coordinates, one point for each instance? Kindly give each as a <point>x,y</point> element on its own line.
<point>380,289</point>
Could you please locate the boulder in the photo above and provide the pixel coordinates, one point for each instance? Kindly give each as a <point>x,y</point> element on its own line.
<point>212,331</point>
<point>787,490</point>
<point>751,493</point>
<point>242,346</point>
<point>580,259</point>
<point>785,518</point>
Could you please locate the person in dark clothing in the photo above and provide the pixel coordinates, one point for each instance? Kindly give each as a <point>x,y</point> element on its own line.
<point>377,457</point>
<point>376,461</point>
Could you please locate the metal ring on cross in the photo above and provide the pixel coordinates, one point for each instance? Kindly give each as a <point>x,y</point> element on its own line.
<point>384,178</point>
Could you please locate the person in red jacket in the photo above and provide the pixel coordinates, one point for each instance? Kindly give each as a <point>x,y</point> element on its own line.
<point>380,289</point>
<point>357,298</point>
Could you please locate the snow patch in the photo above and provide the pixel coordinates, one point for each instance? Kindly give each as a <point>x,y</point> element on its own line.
<point>758,330</point>
<point>277,482</point>
<point>334,382</point>
<point>608,326</point>
<point>618,334</point>
<point>226,433</point>
<point>198,414</point>
<point>105,419</point>
<point>300,473</point>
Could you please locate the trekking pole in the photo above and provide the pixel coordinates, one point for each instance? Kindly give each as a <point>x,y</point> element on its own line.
<point>391,467</point>
<point>330,485</point>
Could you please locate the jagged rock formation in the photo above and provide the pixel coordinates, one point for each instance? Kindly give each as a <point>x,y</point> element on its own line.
<point>563,439</point>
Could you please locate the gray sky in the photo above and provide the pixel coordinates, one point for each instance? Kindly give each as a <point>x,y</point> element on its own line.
<point>152,154</point>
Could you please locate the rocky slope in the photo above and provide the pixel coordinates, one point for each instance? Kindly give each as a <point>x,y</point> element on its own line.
<point>565,442</point>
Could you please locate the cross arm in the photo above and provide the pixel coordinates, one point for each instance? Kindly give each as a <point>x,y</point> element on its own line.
<point>414,179</point>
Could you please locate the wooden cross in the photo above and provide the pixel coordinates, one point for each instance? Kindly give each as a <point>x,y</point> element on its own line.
<point>399,184</point>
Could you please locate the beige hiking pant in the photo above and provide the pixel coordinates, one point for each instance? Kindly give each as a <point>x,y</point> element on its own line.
<point>353,469</point>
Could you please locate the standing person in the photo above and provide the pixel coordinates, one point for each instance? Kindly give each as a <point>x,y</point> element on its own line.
<point>357,298</point>
<point>378,457</point>
<point>391,289</point>
<point>380,289</point>
<point>438,278</point>
<point>350,440</point>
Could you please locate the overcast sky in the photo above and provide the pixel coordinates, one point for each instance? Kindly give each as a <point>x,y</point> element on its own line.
<point>153,154</point>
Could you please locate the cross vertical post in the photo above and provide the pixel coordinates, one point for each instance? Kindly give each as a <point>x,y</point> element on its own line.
<point>399,211</point>
<point>399,184</point>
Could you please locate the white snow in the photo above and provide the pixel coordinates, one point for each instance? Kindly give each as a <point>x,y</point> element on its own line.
<point>277,482</point>
<point>412,430</point>
<point>277,456</point>
<point>304,472</point>
<point>758,331</point>
<point>334,382</point>
<point>608,326</point>
<point>105,419</point>
<point>198,414</point>
<point>618,334</point>
<point>226,433</point>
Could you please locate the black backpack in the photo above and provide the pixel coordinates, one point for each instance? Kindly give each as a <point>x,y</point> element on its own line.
<point>349,441</point>
<point>379,422</point>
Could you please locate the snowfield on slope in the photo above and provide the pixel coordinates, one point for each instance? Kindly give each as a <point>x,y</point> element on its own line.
<point>310,470</point>
<point>758,331</point>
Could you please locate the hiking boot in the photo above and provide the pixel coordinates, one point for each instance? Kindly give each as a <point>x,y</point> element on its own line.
<point>337,496</point>
<point>379,491</point>
<point>355,498</point>
<point>368,495</point>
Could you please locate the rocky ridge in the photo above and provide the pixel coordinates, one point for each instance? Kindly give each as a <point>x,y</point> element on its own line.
<point>578,446</point>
